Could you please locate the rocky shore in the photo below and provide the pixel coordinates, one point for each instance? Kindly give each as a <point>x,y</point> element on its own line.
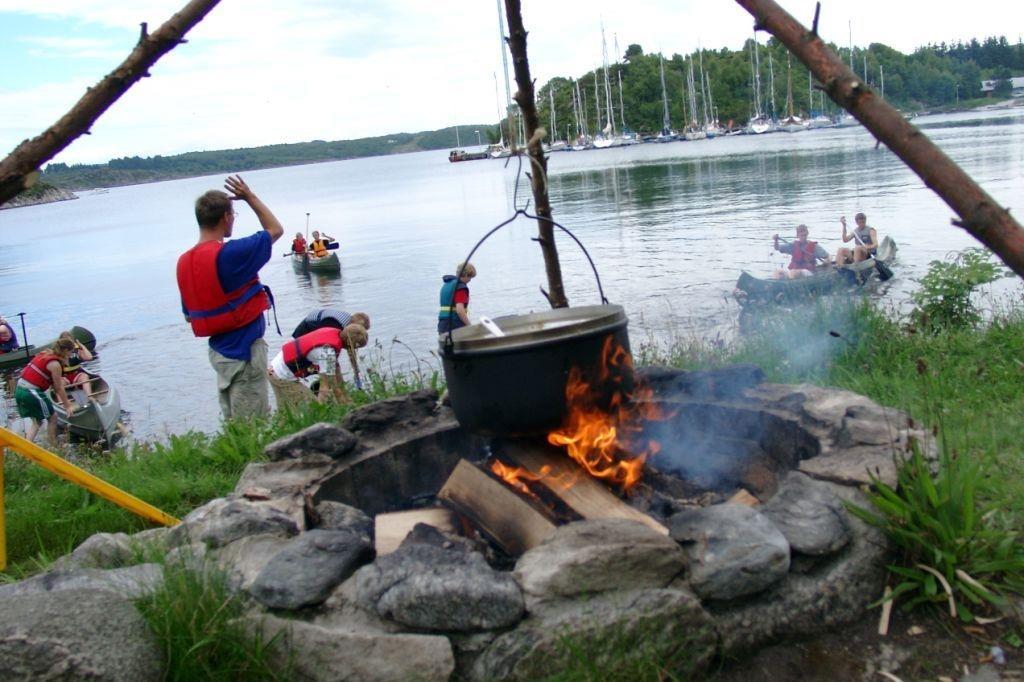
<point>40,193</point>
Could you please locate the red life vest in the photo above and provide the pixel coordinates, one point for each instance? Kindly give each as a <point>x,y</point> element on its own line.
<point>295,352</point>
<point>803,257</point>
<point>210,309</point>
<point>299,246</point>
<point>36,373</point>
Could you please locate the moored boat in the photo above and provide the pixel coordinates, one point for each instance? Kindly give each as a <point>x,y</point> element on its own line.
<point>95,418</point>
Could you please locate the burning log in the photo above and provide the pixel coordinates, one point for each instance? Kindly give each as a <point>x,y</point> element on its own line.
<point>571,484</point>
<point>508,519</point>
<point>390,529</point>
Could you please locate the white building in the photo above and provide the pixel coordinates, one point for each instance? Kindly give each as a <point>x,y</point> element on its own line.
<point>1016,86</point>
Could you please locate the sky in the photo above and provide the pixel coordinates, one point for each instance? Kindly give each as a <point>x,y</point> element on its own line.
<point>259,72</point>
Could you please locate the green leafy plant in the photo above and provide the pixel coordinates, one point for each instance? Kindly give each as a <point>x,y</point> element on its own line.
<point>197,620</point>
<point>954,548</point>
<point>945,297</point>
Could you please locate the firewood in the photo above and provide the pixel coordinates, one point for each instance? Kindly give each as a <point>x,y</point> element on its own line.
<point>508,519</point>
<point>582,493</point>
<point>390,529</point>
<point>741,496</point>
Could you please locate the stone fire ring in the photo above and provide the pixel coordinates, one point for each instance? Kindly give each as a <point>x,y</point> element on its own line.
<point>296,540</point>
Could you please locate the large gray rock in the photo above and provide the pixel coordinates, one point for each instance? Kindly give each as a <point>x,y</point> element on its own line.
<point>244,559</point>
<point>837,592</point>
<point>223,520</point>
<point>734,550</point>
<point>853,466</point>
<point>76,635</point>
<point>810,516</point>
<point>597,556</point>
<point>287,477</point>
<point>131,582</point>
<point>354,654</point>
<point>337,516</point>
<point>102,550</point>
<point>393,419</point>
<point>662,627</point>
<point>304,572</point>
<point>321,442</point>
<point>431,588</point>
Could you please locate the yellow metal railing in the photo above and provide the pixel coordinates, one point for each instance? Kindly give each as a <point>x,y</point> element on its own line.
<point>74,474</point>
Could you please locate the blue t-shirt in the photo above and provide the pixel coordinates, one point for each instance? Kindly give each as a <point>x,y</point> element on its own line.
<point>237,263</point>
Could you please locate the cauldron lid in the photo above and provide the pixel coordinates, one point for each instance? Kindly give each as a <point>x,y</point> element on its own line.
<point>537,329</point>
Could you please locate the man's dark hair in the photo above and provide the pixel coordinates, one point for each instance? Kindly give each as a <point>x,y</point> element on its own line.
<point>211,207</point>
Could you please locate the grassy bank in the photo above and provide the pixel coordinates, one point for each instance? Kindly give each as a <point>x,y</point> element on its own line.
<point>46,516</point>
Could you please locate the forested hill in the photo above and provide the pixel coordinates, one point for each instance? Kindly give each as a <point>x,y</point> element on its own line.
<point>931,77</point>
<point>134,170</point>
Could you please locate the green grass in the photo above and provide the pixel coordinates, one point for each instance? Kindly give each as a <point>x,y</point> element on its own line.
<point>46,516</point>
<point>195,618</point>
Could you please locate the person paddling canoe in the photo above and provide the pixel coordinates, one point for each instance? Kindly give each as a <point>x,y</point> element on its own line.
<point>804,254</point>
<point>866,241</point>
<point>319,244</point>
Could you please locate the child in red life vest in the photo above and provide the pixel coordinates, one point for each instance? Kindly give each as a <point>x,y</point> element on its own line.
<point>804,255</point>
<point>299,244</point>
<point>315,353</point>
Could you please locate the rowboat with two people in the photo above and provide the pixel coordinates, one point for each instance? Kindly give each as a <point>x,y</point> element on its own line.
<point>307,262</point>
<point>751,290</point>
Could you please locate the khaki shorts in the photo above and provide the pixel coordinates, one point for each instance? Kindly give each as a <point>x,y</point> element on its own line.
<point>242,384</point>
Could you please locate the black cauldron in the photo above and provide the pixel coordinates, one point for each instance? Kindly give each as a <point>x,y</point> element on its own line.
<point>514,385</point>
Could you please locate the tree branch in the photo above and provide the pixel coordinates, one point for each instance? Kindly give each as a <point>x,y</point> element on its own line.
<point>21,167</point>
<point>535,152</point>
<point>980,215</point>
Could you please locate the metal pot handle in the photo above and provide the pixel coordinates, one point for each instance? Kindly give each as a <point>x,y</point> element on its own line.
<point>448,344</point>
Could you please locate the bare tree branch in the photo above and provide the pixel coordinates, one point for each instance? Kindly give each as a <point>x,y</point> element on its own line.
<point>539,164</point>
<point>980,215</point>
<point>20,169</point>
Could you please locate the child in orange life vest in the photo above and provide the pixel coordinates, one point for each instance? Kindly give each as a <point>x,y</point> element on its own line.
<point>315,353</point>
<point>804,255</point>
<point>299,244</point>
<point>41,374</point>
<point>319,244</point>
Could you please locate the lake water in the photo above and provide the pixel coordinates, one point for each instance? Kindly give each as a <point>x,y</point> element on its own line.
<point>669,227</point>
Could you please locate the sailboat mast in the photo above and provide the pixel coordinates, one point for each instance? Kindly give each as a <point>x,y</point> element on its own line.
<point>789,88</point>
<point>703,87</point>
<point>501,116</point>
<point>665,121</point>
<point>551,106</point>
<point>771,81</point>
<point>881,76</point>
<point>757,81</point>
<point>607,86</point>
<point>504,60</point>
<point>597,103</point>
<point>622,107</point>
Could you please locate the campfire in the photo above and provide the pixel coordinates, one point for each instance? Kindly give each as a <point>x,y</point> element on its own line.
<point>581,470</point>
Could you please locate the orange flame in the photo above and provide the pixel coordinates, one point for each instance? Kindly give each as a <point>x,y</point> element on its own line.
<point>603,438</point>
<point>516,477</point>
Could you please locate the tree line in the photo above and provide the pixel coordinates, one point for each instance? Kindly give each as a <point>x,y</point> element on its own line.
<point>930,77</point>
